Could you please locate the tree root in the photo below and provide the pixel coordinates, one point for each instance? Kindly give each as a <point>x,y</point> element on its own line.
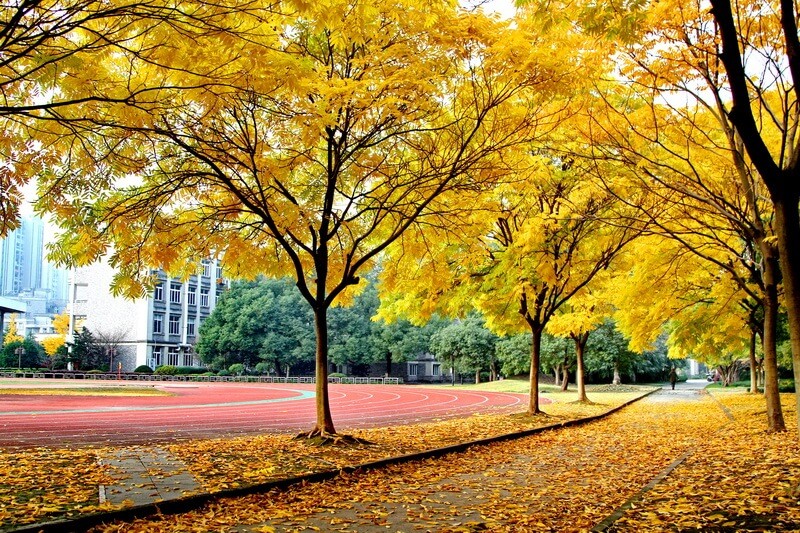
<point>587,401</point>
<point>320,437</point>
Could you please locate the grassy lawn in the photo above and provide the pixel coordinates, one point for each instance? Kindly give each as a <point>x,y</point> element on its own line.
<point>522,386</point>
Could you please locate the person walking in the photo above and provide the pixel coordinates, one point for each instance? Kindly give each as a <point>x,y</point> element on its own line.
<point>673,377</point>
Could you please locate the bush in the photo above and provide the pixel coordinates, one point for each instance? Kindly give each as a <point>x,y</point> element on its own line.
<point>190,370</point>
<point>143,369</point>
<point>337,375</point>
<point>95,371</point>
<point>236,369</point>
<point>166,370</point>
<point>208,374</point>
<point>785,385</point>
<point>224,373</point>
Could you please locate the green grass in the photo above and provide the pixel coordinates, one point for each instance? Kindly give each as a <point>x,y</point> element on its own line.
<point>521,385</point>
<point>784,385</point>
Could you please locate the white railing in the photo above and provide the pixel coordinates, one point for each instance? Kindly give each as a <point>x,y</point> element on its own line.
<point>197,378</point>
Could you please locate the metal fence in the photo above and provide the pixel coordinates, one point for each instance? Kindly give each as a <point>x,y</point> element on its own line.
<point>195,378</point>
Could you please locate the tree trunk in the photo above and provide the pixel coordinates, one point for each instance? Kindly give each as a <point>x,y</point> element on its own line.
<point>753,364</point>
<point>557,373</point>
<point>580,378</point>
<point>775,420</point>
<point>477,376</point>
<point>617,379</point>
<point>388,363</point>
<point>536,346</point>
<point>565,381</point>
<point>324,419</point>
<point>787,231</point>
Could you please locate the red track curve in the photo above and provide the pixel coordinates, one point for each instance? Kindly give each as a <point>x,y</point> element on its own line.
<point>204,410</point>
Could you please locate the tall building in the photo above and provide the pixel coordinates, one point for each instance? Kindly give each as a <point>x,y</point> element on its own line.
<point>159,329</point>
<point>11,263</point>
<point>26,275</point>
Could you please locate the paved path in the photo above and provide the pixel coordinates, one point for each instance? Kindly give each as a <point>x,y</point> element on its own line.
<point>204,410</point>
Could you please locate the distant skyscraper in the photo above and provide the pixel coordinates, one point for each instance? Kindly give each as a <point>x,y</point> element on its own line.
<point>32,253</point>
<point>25,273</point>
<point>11,263</point>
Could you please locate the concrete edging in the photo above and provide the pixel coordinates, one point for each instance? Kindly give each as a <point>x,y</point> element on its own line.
<point>189,503</point>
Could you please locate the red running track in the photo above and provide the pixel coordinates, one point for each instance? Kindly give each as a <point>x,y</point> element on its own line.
<point>203,410</point>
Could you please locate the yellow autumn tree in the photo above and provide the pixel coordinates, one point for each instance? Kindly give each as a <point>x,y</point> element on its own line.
<point>61,326</point>
<point>313,141</point>
<point>724,78</point>
<point>52,54</point>
<point>542,242</point>
<point>11,334</point>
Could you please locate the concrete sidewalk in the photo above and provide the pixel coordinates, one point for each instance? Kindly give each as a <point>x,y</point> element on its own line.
<point>146,475</point>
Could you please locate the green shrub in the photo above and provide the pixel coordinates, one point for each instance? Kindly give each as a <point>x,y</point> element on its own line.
<point>224,372</point>
<point>95,371</point>
<point>785,385</point>
<point>208,374</point>
<point>337,375</point>
<point>236,369</point>
<point>143,369</point>
<point>166,370</point>
<point>190,370</point>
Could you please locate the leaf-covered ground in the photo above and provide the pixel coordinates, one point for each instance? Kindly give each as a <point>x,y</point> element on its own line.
<point>45,483</point>
<point>739,478</point>
<point>562,480</point>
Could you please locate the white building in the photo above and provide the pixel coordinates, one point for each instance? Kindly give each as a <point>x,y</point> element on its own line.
<point>160,329</point>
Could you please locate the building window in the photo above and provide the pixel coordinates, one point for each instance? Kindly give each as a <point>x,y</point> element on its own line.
<point>190,327</point>
<point>157,357</point>
<point>436,370</point>
<point>172,356</point>
<point>219,273</point>
<point>204,297</point>
<point>207,269</point>
<point>187,358</point>
<point>413,369</point>
<point>191,295</point>
<point>158,323</point>
<point>175,293</point>
<point>158,292</point>
<point>174,325</point>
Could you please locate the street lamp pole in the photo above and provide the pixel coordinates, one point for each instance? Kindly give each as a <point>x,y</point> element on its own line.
<point>20,352</point>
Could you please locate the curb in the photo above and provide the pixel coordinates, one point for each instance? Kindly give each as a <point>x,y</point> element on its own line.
<point>189,503</point>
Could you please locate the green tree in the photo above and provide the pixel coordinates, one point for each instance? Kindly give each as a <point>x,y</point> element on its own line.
<point>87,353</point>
<point>354,336</point>
<point>514,354</point>
<point>401,340</point>
<point>265,320</point>
<point>466,346</point>
<point>610,359</point>
<point>34,355</point>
